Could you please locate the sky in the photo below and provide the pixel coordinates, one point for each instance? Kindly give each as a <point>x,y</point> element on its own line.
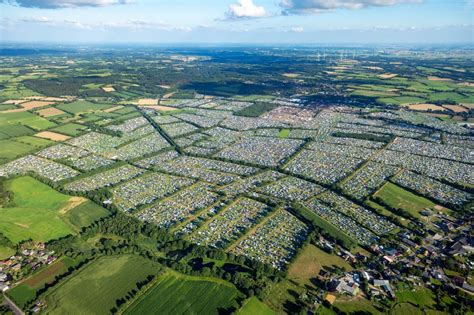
<point>238,21</point>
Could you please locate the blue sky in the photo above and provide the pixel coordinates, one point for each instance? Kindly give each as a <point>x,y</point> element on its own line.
<point>238,21</point>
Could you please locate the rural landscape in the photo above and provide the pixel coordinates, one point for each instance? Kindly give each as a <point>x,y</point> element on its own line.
<point>236,179</point>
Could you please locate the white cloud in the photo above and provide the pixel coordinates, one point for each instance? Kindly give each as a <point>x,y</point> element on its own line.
<point>246,9</point>
<point>59,4</point>
<point>297,29</point>
<point>316,6</point>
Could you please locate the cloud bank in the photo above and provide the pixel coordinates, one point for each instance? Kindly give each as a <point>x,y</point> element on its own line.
<point>60,4</point>
<point>316,6</point>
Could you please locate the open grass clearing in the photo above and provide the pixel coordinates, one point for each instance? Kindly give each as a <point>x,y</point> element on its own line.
<point>253,306</point>
<point>118,274</point>
<point>397,197</point>
<point>176,293</point>
<point>309,263</point>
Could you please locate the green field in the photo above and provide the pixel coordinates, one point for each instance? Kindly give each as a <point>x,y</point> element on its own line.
<point>254,306</point>
<point>34,141</point>
<point>11,149</point>
<point>398,197</point>
<point>85,214</point>
<point>310,261</point>
<point>6,252</point>
<point>284,133</point>
<point>25,118</point>
<point>256,109</point>
<point>26,290</point>
<point>70,129</point>
<point>35,212</point>
<point>175,293</point>
<point>77,107</point>
<point>96,287</point>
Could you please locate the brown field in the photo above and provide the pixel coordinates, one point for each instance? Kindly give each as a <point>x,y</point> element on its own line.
<point>468,105</point>
<point>425,107</point>
<point>387,75</point>
<point>36,97</point>
<point>52,136</point>
<point>310,261</point>
<point>291,75</point>
<point>456,108</point>
<point>168,95</point>
<point>39,278</point>
<point>147,101</point>
<point>72,203</point>
<point>14,102</point>
<point>112,109</point>
<point>49,112</point>
<point>434,78</point>
<point>108,89</point>
<point>470,84</point>
<point>35,104</point>
<point>161,107</point>
<point>54,99</point>
<point>374,68</point>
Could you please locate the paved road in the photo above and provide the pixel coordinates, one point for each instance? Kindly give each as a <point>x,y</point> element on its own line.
<point>13,306</point>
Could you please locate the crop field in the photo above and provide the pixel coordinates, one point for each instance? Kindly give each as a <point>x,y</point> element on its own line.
<point>254,306</point>
<point>6,252</point>
<point>77,107</point>
<point>52,136</point>
<point>398,197</point>
<point>25,118</point>
<point>36,212</point>
<point>34,141</point>
<point>85,214</point>
<point>179,294</point>
<point>118,274</point>
<point>26,290</point>
<point>11,149</point>
<point>70,129</point>
<point>50,112</point>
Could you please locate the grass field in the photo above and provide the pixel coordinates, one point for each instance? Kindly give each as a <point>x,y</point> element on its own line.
<point>310,261</point>
<point>70,129</point>
<point>6,252</point>
<point>179,294</point>
<point>360,305</point>
<point>25,118</point>
<point>11,149</point>
<point>84,214</point>
<point>34,141</point>
<point>398,197</point>
<point>37,212</point>
<point>284,133</point>
<point>26,290</point>
<point>256,109</point>
<point>77,107</point>
<point>254,306</point>
<point>96,287</point>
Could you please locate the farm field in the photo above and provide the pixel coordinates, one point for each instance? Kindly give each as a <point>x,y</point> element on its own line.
<point>77,107</point>
<point>26,290</point>
<point>36,211</point>
<point>11,149</point>
<point>25,118</point>
<point>70,129</point>
<point>34,141</point>
<point>254,306</point>
<point>6,252</point>
<point>179,294</point>
<point>118,274</point>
